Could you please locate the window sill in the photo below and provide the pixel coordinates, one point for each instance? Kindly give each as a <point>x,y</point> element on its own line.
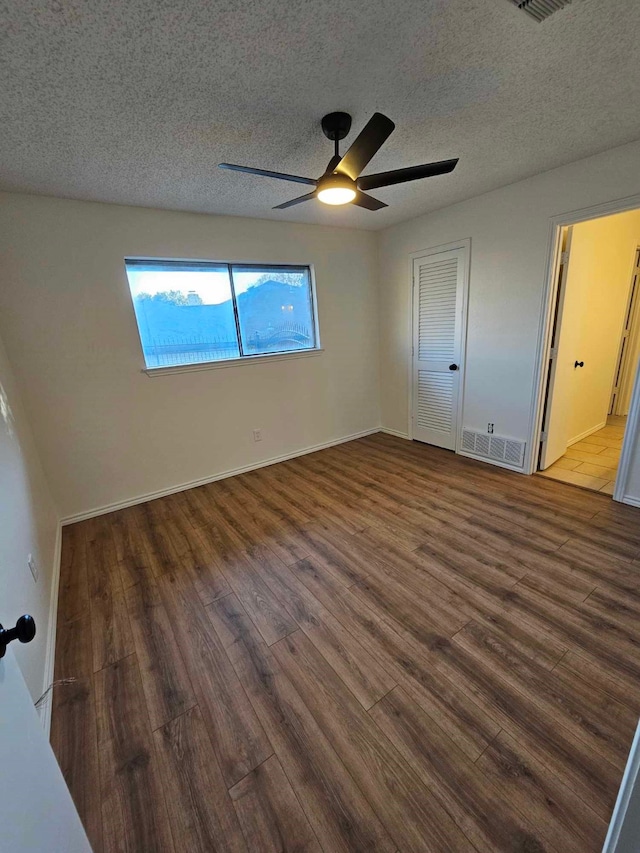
<point>230,362</point>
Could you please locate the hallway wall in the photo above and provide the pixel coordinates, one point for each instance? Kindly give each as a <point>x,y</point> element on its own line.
<point>600,264</point>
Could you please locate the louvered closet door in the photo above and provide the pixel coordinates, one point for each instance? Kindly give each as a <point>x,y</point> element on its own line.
<point>438,303</point>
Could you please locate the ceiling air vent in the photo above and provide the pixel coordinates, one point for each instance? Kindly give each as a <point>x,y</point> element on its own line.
<point>540,9</point>
<point>507,451</point>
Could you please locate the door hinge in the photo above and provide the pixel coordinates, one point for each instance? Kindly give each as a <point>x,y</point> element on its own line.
<point>553,352</point>
<point>543,435</point>
<point>564,257</point>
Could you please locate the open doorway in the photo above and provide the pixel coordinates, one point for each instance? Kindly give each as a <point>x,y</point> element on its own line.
<point>594,352</point>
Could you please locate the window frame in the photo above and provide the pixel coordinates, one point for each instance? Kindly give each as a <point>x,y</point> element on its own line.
<point>243,358</point>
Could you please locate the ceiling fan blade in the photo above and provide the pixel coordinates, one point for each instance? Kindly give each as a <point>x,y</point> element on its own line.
<point>281,176</point>
<point>412,173</point>
<point>293,201</point>
<point>370,139</point>
<point>368,201</point>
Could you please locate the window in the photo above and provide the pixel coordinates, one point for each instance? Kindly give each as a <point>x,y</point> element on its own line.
<point>193,312</point>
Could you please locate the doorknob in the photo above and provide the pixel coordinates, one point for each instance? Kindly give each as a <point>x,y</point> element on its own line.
<point>453,367</point>
<point>24,631</point>
<point>578,364</point>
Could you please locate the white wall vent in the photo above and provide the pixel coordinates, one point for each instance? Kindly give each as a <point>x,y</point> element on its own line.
<point>540,9</point>
<point>509,451</point>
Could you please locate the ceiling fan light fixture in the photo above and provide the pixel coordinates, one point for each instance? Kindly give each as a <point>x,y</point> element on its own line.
<point>336,189</point>
<point>343,182</point>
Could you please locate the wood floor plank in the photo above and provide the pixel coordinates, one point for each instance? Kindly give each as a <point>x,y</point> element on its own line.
<point>488,600</point>
<point>74,742</point>
<point>73,596</point>
<point>410,812</point>
<point>74,649</point>
<point>162,546</point>
<point>338,553</point>
<point>134,814</point>
<point>238,737</point>
<point>200,810</point>
<point>208,578</point>
<point>270,814</point>
<point>466,722</point>
<point>336,809</point>
<point>390,648</point>
<point>585,713</point>
<point>110,629</point>
<point>562,819</point>
<point>472,801</point>
<point>594,779</point>
<point>101,549</point>
<point>196,507</point>
<point>267,613</point>
<point>132,556</point>
<point>167,688</point>
<point>599,674</point>
<point>359,670</point>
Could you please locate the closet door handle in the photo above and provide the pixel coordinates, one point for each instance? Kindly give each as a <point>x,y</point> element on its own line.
<point>578,364</point>
<point>453,367</point>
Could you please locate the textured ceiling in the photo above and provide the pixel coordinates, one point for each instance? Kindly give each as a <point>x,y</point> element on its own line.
<point>137,101</point>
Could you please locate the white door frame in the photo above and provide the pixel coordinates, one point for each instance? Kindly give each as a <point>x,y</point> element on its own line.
<point>547,307</point>
<point>465,243</point>
<point>632,330</point>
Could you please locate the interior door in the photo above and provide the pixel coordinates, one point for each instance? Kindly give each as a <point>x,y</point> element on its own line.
<point>37,813</point>
<point>438,344</point>
<point>562,356</point>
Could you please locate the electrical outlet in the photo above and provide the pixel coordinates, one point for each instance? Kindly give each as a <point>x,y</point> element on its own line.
<point>33,566</point>
<point>257,435</point>
<point>490,429</point>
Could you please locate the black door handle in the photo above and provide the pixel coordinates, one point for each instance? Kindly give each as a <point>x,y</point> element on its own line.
<point>453,367</point>
<point>578,364</point>
<point>24,631</point>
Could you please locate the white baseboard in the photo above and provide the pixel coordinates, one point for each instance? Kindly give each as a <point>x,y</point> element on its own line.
<point>395,432</point>
<point>495,462</point>
<point>586,433</point>
<point>50,656</point>
<point>630,500</point>
<point>202,481</point>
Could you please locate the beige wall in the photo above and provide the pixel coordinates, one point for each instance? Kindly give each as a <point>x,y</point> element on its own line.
<point>509,231</point>
<point>109,433</point>
<point>28,525</point>
<point>598,278</point>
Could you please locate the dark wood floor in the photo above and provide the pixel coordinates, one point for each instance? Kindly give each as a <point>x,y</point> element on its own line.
<point>377,647</point>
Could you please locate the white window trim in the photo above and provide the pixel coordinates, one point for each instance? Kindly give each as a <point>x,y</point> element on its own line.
<point>231,362</point>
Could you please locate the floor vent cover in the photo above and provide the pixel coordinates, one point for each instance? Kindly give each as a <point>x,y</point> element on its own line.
<point>510,451</point>
<point>540,9</point>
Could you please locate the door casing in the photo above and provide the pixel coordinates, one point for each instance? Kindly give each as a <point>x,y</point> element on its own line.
<point>547,308</point>
<point>465,244</point>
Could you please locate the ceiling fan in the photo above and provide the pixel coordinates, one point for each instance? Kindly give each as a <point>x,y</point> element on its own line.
<point>342,182</point>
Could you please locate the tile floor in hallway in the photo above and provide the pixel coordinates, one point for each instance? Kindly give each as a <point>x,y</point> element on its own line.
<point>593,462</point>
